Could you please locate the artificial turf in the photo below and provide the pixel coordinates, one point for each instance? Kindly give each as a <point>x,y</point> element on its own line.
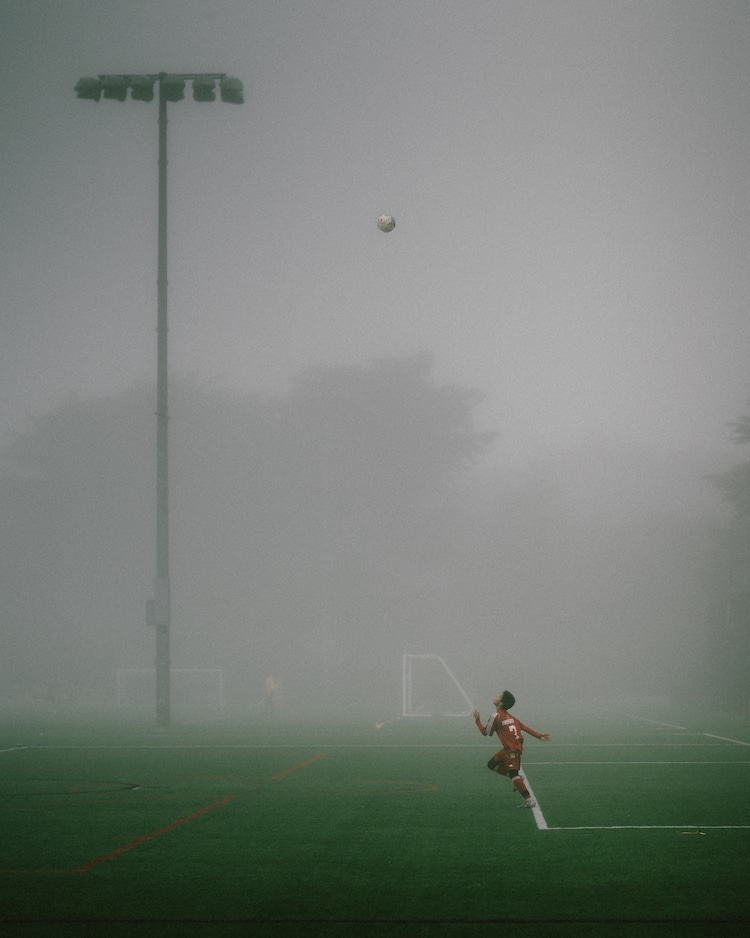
<point>279,827</point>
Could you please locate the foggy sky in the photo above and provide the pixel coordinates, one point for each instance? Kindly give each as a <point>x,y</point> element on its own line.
<point>569,181</point>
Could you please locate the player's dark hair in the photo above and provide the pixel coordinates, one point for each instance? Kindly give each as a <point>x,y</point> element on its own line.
<point>508,700</point>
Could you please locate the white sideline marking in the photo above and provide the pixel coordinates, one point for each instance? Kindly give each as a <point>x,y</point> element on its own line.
<point>657,827</point>
<point>14,748</point>
<point>726,739</point>
<point>691,742</point>
<point>654,762</point>
<point>161,746</point>
<point>632,716</point>
<point>541,822</point>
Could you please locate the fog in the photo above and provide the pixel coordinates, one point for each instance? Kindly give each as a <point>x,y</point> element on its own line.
<point>320,535</point>
<point>497,435</point>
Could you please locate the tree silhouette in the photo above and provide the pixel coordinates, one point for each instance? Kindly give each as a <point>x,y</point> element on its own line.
<point>295,520</point>
<point>728,652</point>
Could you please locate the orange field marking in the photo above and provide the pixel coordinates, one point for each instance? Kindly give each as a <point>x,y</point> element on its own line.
<point>293,768</point>
<point>85,867</point>
<point>113,854</point>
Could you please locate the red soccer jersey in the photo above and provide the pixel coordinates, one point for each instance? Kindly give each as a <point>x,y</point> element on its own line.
<point>508,730</point>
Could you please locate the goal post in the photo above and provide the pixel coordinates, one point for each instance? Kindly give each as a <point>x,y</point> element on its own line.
<point>199,688</point>
<point>430,688</point>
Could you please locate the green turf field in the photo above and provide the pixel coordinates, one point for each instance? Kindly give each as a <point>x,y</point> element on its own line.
<point>277,827</point>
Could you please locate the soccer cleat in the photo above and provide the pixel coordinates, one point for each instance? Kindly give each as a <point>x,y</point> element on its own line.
<point>528,803</point>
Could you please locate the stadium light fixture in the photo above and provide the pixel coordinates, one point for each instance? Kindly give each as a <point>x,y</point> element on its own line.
<point>204,88</point>
<point>171,88</point>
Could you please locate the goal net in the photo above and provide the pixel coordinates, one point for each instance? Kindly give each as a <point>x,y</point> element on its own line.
<point>198,688</point>
<point>430,688</point>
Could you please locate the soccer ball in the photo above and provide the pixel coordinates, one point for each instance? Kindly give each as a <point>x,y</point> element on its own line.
<point>386,222</point>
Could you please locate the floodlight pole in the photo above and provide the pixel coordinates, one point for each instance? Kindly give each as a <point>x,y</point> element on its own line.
<point>170,88</point>
<point>162,610</point>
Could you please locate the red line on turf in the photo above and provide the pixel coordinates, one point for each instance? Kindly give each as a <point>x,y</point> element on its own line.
<point>85,867</point>
<point>113,854</point>
<point>293,768</point>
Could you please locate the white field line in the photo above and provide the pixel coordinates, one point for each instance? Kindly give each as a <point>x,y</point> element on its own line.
<point>156,746</point>
<point>692,742</point>
<point>648,762</point>
<point>542,825</point>
<point>541,822</point>
<point>692,828</point>
<point>632,716</point>
<point>685,828</point>
<point>726,739</point>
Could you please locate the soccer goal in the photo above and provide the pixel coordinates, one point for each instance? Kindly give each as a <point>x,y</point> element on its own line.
<point>430,688</point>
<point>196,688</point>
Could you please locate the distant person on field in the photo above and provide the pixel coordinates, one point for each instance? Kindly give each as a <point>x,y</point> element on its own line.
<point>508,730</point>
<point>268,691</point>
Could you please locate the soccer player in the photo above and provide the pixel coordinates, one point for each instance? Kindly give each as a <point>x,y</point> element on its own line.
<point>269,689</point>
<point>508,730</point>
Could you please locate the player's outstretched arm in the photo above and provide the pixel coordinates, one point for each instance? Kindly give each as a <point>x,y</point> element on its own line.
<point>478,720</point>
<point>535,733</point>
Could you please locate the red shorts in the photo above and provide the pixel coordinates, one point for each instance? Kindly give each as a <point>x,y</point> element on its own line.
<point>508,760</point>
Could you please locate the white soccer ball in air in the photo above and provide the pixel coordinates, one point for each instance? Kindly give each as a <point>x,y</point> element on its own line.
<point>386,222</point>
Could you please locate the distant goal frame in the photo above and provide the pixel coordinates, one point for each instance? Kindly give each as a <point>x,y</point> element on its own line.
<point>407,688</point>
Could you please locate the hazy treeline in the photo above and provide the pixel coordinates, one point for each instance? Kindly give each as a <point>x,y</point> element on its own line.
<point>320,534</point>
<point>728,625</point>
